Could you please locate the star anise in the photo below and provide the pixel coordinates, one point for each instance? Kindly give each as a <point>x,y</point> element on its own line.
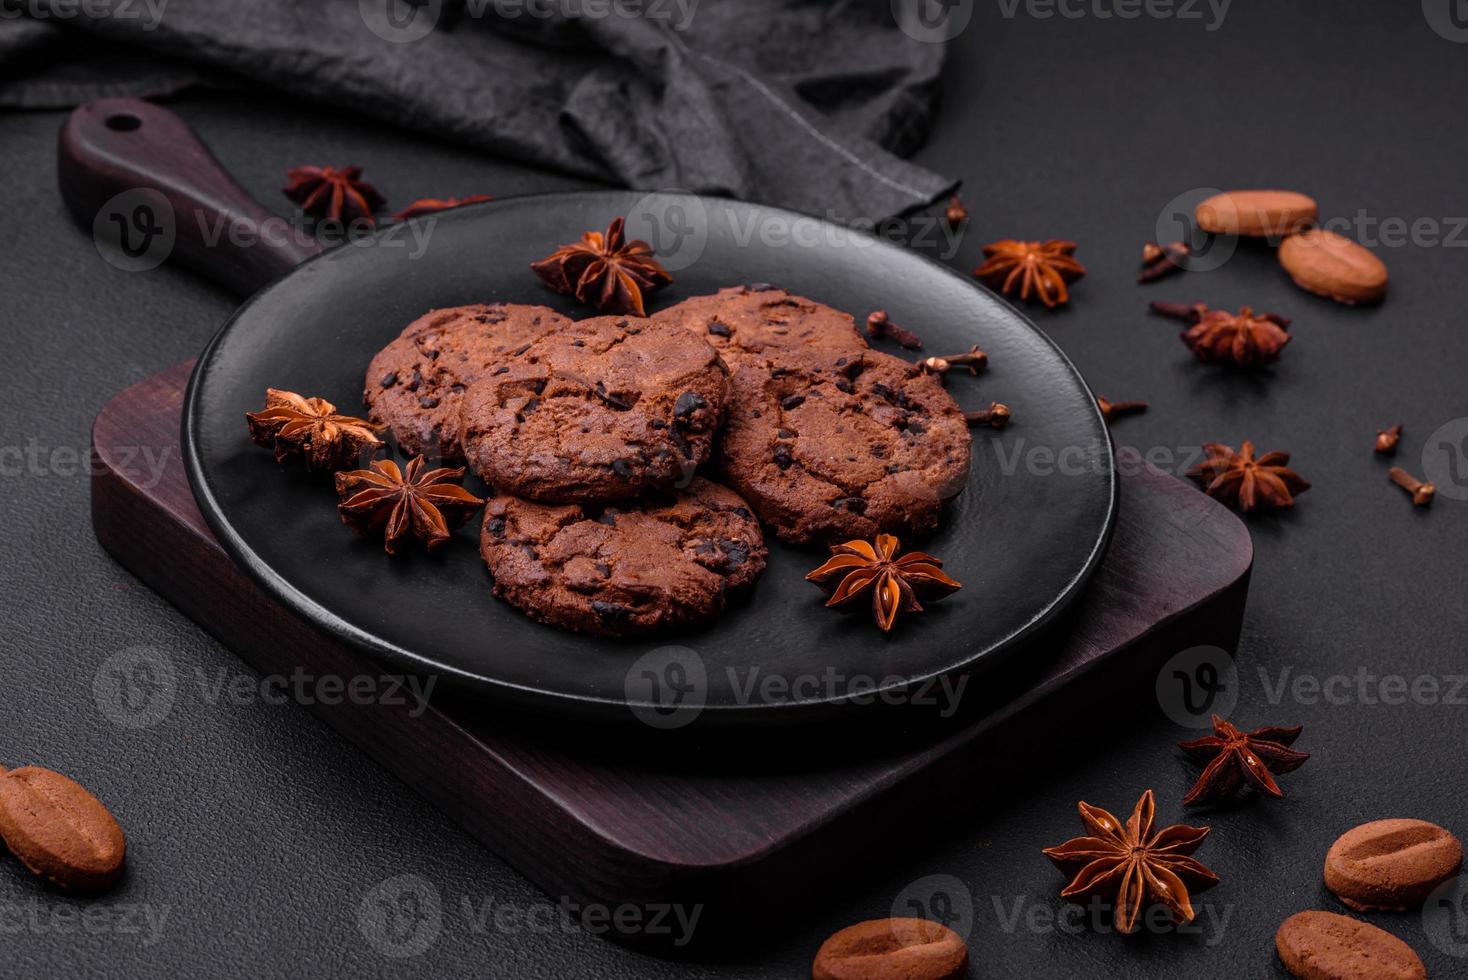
<point>1240,480</point>
<point>1244,338</point>
<point>1134,864</point>
<point>605,271</point>
<point>312,429</point>
<point>1235,757</point>
<point>856,565</point>
<point>432,205</point>
<point>339,195</point>
<point>1033,269</point>
<point>397,505</point>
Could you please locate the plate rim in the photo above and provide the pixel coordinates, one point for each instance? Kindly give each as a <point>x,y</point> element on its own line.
<point>387,653</point>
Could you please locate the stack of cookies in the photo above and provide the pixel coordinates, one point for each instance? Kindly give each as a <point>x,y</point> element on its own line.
<point>595,434</point>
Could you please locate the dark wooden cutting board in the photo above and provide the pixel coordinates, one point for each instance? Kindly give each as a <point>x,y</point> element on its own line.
<point>745,829</point>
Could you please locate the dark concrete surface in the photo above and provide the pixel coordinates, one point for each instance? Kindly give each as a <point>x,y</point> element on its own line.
<point>258,836</point>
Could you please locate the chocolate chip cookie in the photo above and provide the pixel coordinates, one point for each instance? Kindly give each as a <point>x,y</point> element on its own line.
<point>599,410</point>
<point>745,320</point>
<point>830,446</point>
<point>663,563</point>
<point>414,384</point>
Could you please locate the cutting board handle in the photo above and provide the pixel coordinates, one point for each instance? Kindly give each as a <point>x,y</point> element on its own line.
<point>150,191</point>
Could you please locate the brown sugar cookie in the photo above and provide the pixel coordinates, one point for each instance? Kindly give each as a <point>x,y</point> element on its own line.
<point>1326,946</point>
<point>600,410</point>
<point>415,383</point>
<point>892,949</point>
<point>1391,865</point>
<point>760,319</point>
<point>623,571</point>
<point>59,830</point>
<point>830,446</point>
<point>1332,265</point>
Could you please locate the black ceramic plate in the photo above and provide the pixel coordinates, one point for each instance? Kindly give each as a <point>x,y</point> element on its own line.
<point>1022,538</point>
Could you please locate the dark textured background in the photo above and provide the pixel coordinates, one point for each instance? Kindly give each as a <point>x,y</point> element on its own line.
<point>258,831</point>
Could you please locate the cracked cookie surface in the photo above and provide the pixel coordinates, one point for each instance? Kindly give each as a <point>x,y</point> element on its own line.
<point>830,446</point>
<point>415,384</point>
<point>750,320</point>
<point>599,410</point>
<point>660,564</point>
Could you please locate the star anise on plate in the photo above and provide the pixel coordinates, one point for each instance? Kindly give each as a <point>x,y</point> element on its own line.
<point>311,429</point>
<point>895,582</point>
<point>1034,270</point>
<point>1133,864</point>
<point>339,195</point>
<point>432,205</point>
<point>1244,338</point>
<point>605,271</point>
<point>1236,757</point>
<point>398,505</point>
<point>1240,480</point>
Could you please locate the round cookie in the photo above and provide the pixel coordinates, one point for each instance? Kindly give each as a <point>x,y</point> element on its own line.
<point>760,319</point>
<point>600,410</point>
<point>415,383</point>
<point>829,446</point>
<point>658,564</point>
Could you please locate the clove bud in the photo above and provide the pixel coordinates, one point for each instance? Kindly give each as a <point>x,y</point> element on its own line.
<point>1111,410</point>
<point>996,416</point>
<point>974,359</point>
<point>956,214</point>
<point>1387,439</point>
<point>1159,260</point>
<point>1193,312</point>
<point>1422,493</point>
<point>881,325</point>
<point>1186,312</point>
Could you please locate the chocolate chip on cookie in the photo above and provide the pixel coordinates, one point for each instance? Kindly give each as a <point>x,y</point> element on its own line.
<point>415,383</point>
<point>659,564</point>
<point>744,320</point>
<point>830,445</point>
<point>600,410</point>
